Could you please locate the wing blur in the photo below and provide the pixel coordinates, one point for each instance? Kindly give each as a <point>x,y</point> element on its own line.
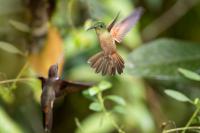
<point>67,87</point>
<point>119,30</point>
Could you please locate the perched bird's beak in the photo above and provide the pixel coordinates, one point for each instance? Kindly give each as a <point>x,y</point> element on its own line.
<point>92,27</point>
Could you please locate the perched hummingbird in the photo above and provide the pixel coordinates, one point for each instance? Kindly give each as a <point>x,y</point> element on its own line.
<point>53,87</point>
<point>108,61</point>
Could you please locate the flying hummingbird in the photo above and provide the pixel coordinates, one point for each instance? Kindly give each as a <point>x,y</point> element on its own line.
<point>53,87</point>
<point>108,61</point>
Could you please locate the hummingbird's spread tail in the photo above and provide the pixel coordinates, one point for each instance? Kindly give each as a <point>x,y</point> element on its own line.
<point>107,64</point>
<point>47,119</point>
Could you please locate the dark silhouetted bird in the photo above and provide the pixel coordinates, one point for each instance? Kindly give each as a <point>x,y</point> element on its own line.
<point>53,87</point>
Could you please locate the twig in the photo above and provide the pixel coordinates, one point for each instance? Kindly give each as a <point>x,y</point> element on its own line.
<point>15,80</point>
<point>70,19</point>
<point>180,129</point>
<point>192,118</point>
<point>79,125</point>
<point>20,74</point>
<point>171,16</point>
<point>101,100</point>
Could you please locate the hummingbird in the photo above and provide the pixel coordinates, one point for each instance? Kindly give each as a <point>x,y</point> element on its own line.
<point>53,87</point>
<point>108,61</point>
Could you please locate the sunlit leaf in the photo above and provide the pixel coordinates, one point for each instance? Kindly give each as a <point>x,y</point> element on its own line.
<point>9,48</point>
<point>93,91</point>
<point>19,26</point>
<point>177,95</point>
<point>95,106</point>
<point>116,99</point>
<point>197,102</point>
<point>189,74</point>
<point>104,85</point>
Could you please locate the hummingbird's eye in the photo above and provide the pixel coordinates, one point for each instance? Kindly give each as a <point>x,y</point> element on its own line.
<point>101,26</point>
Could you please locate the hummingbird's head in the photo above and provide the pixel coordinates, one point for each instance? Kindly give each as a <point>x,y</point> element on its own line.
<point>53,71</point>
<point>97,26</point>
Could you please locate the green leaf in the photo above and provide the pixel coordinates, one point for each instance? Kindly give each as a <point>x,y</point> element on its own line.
<point>189,74</point>
<point>19,26</point>
<point>160,59</point>
<point>116,99</point>
<point>104,85</point>
<point>93,91</point>
<point>86,93</point>
<point>119,109</point>
<point>197,102</point>
<point>9,48</point>
<point>177,95</point>
<point>95,106</point>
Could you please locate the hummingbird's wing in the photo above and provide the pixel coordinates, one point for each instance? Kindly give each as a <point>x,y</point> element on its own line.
<point>113,22</point>
<point>67,87</point>
<point>43,80</point>
<point>119,30</point>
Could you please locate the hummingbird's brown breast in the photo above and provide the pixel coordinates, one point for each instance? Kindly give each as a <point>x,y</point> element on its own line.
<point>48,93</point>
<point>107,43</point>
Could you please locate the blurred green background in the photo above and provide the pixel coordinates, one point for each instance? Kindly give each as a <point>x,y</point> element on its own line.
<point>35,34</point>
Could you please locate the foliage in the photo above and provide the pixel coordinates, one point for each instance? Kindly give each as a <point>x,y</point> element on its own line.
<point>181,97</point>
<point>189,74</point>
<point>98,104</point>
<point>177,95</point>
<point>160,83</point>
<point>9,48</point>
<point>161,58</point>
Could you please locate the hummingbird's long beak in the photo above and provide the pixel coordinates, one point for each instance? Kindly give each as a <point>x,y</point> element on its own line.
<point>92,27</point>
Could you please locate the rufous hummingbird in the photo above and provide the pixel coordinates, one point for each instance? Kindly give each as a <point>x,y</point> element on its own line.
<point>108,61</point>
<point>53,87</point>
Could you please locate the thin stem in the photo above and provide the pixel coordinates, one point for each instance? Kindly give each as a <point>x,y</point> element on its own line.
<point>79,125</point>
<point>70,4</point>
<point>15,80</point>
<point>180,129</point>
<point>19,75</point>
<point>192,118</point>
<point>101,100</point>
